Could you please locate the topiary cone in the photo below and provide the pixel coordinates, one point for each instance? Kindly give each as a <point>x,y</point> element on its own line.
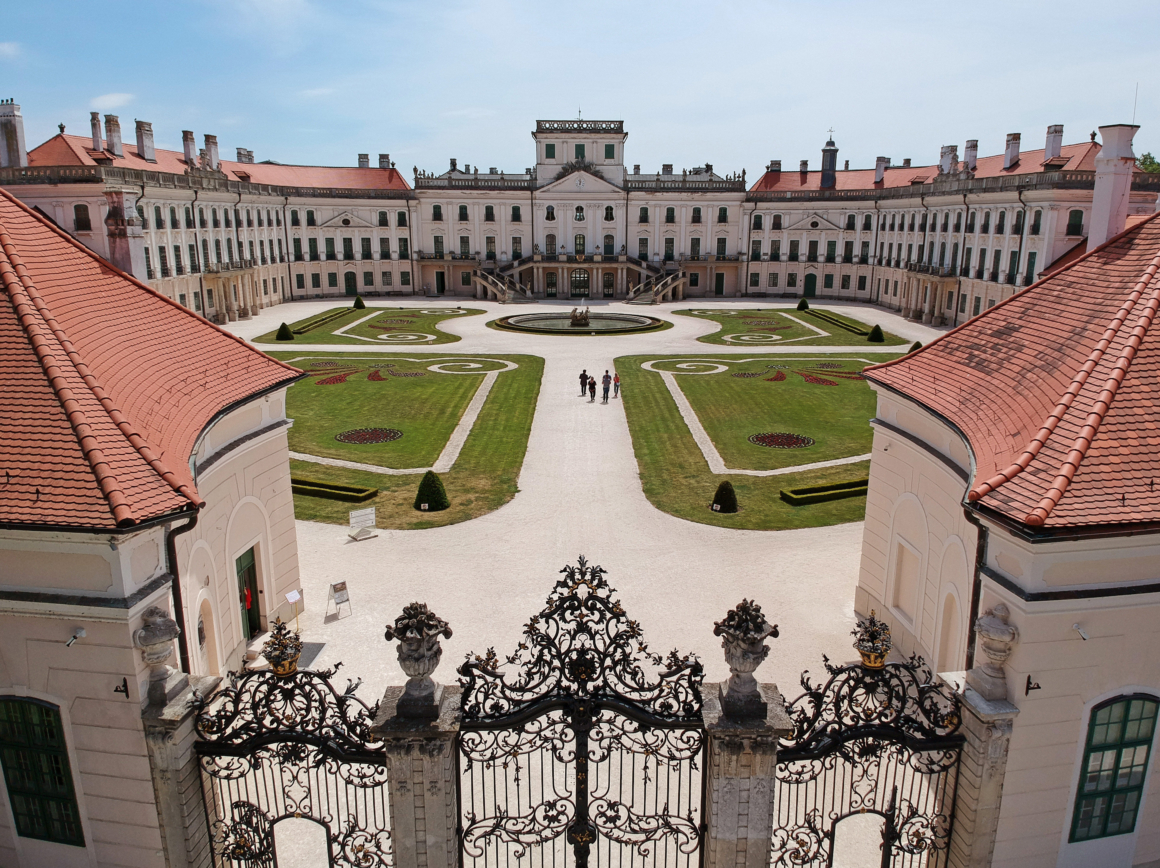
<point>876,336</point>
<point>359,304</point>
<point>725,500</point>
<point>915,347</point>
<point>284,333</point>
<point>432,493</point>
<point>803,305</point>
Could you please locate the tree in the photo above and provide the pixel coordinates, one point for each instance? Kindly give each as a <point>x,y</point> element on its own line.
<point>1147,163</point>
<point>359,304</point>
<point>431,493</point>
<point>284,333</point>
<point>725,500</point>
<point>803,305</point>
<point>876,336</point>
<point>915,347</point>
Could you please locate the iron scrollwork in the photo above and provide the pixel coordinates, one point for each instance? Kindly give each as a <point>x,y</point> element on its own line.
<point>584,707</point>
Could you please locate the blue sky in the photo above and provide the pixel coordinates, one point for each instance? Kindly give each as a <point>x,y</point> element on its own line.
<point>732,83</point>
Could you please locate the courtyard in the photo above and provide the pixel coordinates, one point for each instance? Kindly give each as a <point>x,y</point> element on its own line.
<point>579,491</point>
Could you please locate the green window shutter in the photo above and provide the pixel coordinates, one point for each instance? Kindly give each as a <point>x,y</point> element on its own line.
<point>37,771</point>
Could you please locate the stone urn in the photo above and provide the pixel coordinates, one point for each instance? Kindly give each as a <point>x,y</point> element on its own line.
<point>155,642</point>
<point>743,632</point>
<point>997,639</point>
<point>418,630</point>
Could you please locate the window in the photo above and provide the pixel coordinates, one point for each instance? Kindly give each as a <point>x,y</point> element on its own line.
<point>368,278</point>
<point>609,245</point>
<point>404,278</point>
<point>300,281</point>
<point>909,252</point>
<point>642,248</point>
<point>37,771</point>
<point>312,244</point>
<point>580,246</point>
<point>310,218</point>
<point>579,216</point>
<point>1036,222</point>
<point>696,215</point>
<point>189,218</point>
<point>643,215</point>
<point>755,250</point>
<point>366,249</point>
<point>722,215</point>
<point>794,248</point>
<point>489,213</point>
<point>173,224</point>
<point>163,262</point>
<point>1075,223</point>
<point>1115,762</point>
<point>848,252</point>
<point>986,228</point>
<point>237,218</point>
<point>384,248</point>
<point>850,222</point>
<point>958,221</point>
<point>610,152</point>
<point>550,283</point>
<point>811,251</point>
<point>550,244</point>
<point>773,279</point>
<point>217,250</point>
<point>401,222</point>
<point>754,279</point>
<point>946,220</point>
<point>330,254</point>
<point>1029,278</point>
<point>436,214</point>
<point>864,256</point>
<point>332,279</point>
<point>670,215</point>
<point>205,250</point>
<point>831,251</point>
<point>982,263</point>
<point>866,223</point>
<point>316,281</point>
<point>158,220</point>
<point>892,216</point>
<point>775,222</point>
<point>861,283</point>
<point>81,221</point>
<point>549,152</point>
<point>942,254</point>
<point>516,214</point>
<point>348,248</point>
<point>178,268</point>
<point>388,278</point>
<point>828,281</point>
<point>720,246</point>
<point>149,265</point>
<point>669,242</point>
<point>1001,224</point>
<point>249,219</point>
<point>201,217</point>
<point>694,279</point>
<point>971,221</point>
<point>995,261</point>
<point>517,247</point>
<point>757,221</point>
<point>462,213</point>
<point>922,224</point>
<point>1012,266</point>
<point>966,270</point>
<point>774,251</point>
<point>489,247</point>
<point>608,213</point>
<point>579,152</point>
<point>465,278</point>
<point>791,280</point>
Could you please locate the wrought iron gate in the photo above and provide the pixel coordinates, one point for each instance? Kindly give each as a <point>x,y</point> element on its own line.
<point>590,742</point>
<point>877,738</point>
<point>281,743</point>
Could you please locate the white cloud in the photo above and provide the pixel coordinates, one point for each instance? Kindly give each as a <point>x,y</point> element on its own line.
<point>108,101</point>
<point>9,50</point>
<point>317,91</point>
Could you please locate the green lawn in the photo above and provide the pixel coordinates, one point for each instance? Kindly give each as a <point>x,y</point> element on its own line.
<point>674,474</point>
<point>769,326</point>
<point>394,326</point>
<point>426,409</point>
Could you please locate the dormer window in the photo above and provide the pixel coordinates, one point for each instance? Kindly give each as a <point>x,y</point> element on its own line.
<point>579,214</point>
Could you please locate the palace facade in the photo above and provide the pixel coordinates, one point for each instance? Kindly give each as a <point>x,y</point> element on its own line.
<point>940,242</point>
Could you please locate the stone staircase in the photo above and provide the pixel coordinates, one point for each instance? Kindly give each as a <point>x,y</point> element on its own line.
<point>501,288</point>
<point>658,289</point>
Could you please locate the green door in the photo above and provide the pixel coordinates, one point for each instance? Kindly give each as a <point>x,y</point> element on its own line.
<point>351,283</point>
<point>811,286</point>
<point>440,282</point>
<point>719,285</point>
<point>248,594</point>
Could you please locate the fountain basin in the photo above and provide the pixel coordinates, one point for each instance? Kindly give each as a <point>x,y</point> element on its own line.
<point>561,323</point>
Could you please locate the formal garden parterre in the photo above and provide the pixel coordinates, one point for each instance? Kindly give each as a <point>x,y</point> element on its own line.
<point>391,326</point>
<point>761,327</point>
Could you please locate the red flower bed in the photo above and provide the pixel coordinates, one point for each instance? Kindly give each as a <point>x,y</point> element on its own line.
<point>376,377</point>
<point>337,378</point>
<point>363,436</point>
<point>814,381</point>
<point>781,440</point>
<point>776,378</point>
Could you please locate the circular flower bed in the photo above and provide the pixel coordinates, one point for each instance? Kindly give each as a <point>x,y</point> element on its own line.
<point>781,440</point>
<point>363,436</point>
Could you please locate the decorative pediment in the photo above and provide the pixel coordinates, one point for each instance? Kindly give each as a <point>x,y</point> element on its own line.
<point>809,220</point>
<point>347,220</point>
<point>580,182</point>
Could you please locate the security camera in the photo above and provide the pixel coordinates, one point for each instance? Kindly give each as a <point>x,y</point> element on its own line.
<point>1080,630</point>
<point>78,633</point>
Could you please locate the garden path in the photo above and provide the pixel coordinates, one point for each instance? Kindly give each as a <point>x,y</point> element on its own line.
<point>580,494</point>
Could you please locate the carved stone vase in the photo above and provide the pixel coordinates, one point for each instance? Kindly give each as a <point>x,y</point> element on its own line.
<point>743,632</point>
<point>418,630</point>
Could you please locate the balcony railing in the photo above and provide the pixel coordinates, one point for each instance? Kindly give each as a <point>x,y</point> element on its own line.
<point>165,271</point>
<point>847,257</point>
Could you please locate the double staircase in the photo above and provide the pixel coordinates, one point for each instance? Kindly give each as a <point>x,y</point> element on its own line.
<point>501,288</point>
<point>656,289</point>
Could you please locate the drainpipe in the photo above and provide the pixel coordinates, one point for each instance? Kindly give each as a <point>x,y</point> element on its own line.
<point>178,602</point>
<point>1022,235</point>
<point>976,582</point>
<point>874,250</point>
<point>286,239</point>
<point>962,259</point>
<point>748,245</point>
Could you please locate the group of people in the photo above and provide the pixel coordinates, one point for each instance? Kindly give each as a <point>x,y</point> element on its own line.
<point>608,381</point>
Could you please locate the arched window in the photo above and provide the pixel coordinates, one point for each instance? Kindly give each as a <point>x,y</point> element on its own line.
<point>550,212</point>
<point>81,221</point>
<point>516,218</point>
<point>1001,224</point>
<point>670,215</point>
<point>1017,228</point>
<point>201,217</point>
<point>942,254</point>
<point>971,221</point>
<point>159,221</point>
<point>1036,222</point>
<point>986,228</point>
<point>294,217</point>
<point>1115,764</point>
<point>958,221</point>
<point>249,219</point>
<point>608,213</point>
<point>609,245</point>
<point>580,245</point>
<point>550,244</point>
<point>643,215</point>
<point>850,222</point>
<point>436,214</point>
<point>189,218</point>
<point>757,222</point>
<point>911,221</point>
<point>946,221</point>
<point>722,214</point>
<point>696,215</point>
<point>173,224</point>
<point>579,217</point>
<point>226,215</point>
<point>216,220</point>
<point>37,771</point>
<point>866,223</point>
<point>775,223</point>
<point>892,223</point>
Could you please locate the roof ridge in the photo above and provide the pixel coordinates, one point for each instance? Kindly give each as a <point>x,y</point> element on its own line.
<point>1100,407</point>
<point>1077,383</point>
<point>106,479</point>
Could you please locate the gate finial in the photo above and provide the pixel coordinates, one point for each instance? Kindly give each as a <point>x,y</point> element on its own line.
<point>872,641</point>
<point>744,631</point>
<point>418,630</point>
<point>282,650</point>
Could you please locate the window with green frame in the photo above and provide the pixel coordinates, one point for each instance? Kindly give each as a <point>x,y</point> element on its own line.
<point>37,772</point>
<point>1115,763</point>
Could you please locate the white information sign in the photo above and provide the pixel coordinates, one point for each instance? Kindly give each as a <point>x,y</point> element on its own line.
<point>338,596</point>
<point>362,524</point>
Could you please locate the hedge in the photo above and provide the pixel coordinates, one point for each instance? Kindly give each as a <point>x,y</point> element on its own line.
<point>312,324</point>
<point>331,490</point>
<point>876,336</point>
<point>823,493</point>
<point>725,500</point>
<point>431,493</point>
<point>803,305</point>
<point>359,304</point>
<point>834,321</point>
<point>284,333</point>
<point>915,347</point>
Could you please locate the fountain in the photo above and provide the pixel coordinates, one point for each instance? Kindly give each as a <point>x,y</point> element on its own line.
<point>581,321</point>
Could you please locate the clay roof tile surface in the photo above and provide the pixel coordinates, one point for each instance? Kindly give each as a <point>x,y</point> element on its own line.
<point>1058,390</point>
<point>105,384</point>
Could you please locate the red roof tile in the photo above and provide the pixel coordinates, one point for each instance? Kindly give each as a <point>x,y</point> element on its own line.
<point>1058,390</point>
<point>1079,158</point>
<point>105,384</point>
<point>66,150</point>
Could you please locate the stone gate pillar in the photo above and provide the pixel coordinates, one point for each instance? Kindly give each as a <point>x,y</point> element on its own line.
<point>744,720</point>
<point>419,724</point>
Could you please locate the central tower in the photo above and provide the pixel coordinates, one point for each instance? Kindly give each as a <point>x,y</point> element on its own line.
<point>600,143</point>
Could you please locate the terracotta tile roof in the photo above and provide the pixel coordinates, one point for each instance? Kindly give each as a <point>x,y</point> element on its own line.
<point>105,384</point>
<point>66,150</point>
<point>1058,390</point>
<point>1079,158</point>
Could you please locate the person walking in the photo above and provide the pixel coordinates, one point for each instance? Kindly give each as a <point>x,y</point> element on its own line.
<point>615,385</point>
<point>583,382</point>
<point>606,382</point>
<point>592,390</point>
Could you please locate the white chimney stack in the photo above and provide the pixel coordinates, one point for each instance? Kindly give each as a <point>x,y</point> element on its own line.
<point>364,161</point>
<point>13,152</point>
<point>1114,166</point>
<point>384,161</point>
<point>145,148</point>
<point>113,135</point>
<point>95,123</point>
<point>880,166</point>
<point>1054,145</point>
<point>1011,155</point>
<point>211,152</point>
<point>804,167</point>
<point>971,154</point>
<point>948,159</point>
<point>245,155</point>
<point>189,145</point>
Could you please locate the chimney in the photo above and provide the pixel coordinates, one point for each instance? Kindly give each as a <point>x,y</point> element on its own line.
<point>13,152</point>
<point>971,154</point>
<point>95,123</point>
<point>113,136</point>
<point>804,166</point>
<point>775,165</point>
<point>245,155</point>
<point>1114,166</point>
<point>384,161</point>
<point>211,152</point>
<point>145,142</point>
<point>948,159</point>
<point>709,168</point>
<point>1011,155</point>
<point>453,167</point>
<point>667,169</point>
<point>829,165</point>
<point>846,166</point>
<point>1054,142</point>
<point>190,147</point>
<point>364,161</point>
<point>636,168</point>
<point>906,162</point>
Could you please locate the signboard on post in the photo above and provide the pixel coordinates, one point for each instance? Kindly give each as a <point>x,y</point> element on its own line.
<point>362,524</point>
<point>294,598</point>
<point>338,596</point>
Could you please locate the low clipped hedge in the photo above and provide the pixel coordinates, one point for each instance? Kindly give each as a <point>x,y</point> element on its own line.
<point>311,324</point>
<point>331,490</point>
<point>823,493</point>
<point>834,321</point>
